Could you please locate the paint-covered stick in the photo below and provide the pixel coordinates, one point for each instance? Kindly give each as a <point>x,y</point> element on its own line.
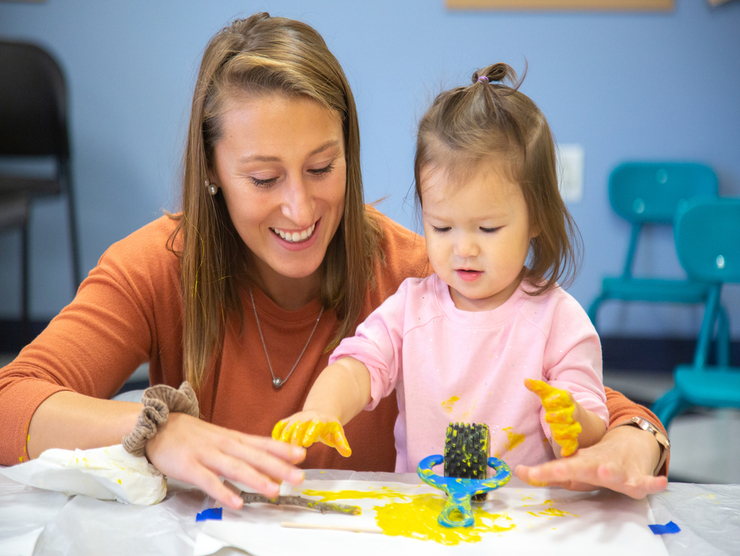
<point>323,507</point>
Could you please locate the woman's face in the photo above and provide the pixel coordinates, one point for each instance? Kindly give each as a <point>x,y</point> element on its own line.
<point>281,167</point>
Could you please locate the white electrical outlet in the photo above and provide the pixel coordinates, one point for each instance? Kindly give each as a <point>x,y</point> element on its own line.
<point>570,172</point>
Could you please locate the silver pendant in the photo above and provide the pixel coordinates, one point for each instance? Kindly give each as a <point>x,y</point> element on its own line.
<point>277,382</point>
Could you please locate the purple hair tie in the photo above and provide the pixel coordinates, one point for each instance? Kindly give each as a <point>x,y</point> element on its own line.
<point>483,79</point>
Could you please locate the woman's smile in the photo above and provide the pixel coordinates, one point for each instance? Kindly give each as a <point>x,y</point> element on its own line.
<point>295,237</point>
<point>296,240</point>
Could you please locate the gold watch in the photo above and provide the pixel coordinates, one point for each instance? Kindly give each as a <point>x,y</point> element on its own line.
<point>662,439</point>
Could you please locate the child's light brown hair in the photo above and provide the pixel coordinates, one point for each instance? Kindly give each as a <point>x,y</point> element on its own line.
<point>492,122</point>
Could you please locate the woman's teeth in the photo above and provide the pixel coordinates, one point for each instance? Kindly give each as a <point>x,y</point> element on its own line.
<point>295,236</point>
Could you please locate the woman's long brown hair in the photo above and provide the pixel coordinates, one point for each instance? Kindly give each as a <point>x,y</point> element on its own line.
<point>261,55</point>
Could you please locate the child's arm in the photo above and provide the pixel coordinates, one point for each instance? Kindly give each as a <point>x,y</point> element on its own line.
<point>340,393</point>
<point>571,424</point>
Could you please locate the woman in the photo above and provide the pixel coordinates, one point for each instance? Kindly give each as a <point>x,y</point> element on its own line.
<point>273,260</point>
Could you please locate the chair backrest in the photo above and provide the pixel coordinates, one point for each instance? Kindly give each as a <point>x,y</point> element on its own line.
<point>33,102</point>
<point>651,191</point>
<point>707,233</point>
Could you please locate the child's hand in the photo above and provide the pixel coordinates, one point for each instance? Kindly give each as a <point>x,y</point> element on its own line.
<point>559,413</point>
<point>306,427</point>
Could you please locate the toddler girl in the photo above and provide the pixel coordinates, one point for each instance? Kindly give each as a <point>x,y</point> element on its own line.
<point>490,337</point>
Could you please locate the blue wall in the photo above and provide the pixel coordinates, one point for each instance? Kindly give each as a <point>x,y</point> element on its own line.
<point>623,85</point>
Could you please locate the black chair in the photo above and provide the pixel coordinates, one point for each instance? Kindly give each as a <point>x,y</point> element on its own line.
<point>33,127</point>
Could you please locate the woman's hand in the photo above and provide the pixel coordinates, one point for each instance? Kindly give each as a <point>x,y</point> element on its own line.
<point>306,427</point>
<point>198,453</point>
<point>623,461</point>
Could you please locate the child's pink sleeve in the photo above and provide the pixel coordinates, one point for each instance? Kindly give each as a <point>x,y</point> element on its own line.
<point>378,343</point>
<point>573,359</point>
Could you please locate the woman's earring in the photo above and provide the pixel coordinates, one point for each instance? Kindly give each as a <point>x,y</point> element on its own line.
<point>212,188</point>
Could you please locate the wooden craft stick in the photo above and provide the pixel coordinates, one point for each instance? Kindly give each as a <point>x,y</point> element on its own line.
<point>323,507</point>
<point>297,525</point>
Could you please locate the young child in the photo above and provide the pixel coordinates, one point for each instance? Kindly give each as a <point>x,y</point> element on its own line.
<point>490,337</point>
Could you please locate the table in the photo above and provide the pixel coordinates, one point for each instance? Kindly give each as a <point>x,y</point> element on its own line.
<point>57,524</point>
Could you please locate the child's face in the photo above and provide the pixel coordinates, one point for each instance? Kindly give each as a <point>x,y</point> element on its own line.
<point>477,235</point>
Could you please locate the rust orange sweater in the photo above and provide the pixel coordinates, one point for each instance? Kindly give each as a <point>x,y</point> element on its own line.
<point>129,311</point>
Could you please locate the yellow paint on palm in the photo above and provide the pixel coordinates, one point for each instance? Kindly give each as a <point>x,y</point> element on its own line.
<point>559,408</point>
<point>305,433</point>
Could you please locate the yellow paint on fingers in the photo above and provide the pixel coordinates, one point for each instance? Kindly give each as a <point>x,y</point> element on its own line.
<point>305,433</point>
<point>559,407</point>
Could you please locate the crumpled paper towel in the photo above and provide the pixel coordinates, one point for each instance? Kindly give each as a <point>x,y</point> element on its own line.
<point>104,473</point>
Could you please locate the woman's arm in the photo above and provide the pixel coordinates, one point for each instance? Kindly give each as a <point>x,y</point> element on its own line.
<point>126,312</point>
<point>184,448</point>
<point>55,394</point>
<point>70,421</point>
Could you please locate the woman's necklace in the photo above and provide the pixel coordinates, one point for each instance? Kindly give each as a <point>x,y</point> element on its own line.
<point>278,382</point>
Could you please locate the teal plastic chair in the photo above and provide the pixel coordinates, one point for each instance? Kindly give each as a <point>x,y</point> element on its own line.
<point>649,193</point>
<point>708,243</point>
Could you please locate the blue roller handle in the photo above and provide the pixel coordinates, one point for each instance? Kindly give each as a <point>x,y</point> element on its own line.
<point>458,490</point>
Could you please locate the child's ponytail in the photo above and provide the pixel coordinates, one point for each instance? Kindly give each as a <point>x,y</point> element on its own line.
<point>499,73</point>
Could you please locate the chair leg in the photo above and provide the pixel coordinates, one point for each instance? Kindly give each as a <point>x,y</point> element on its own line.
<point>668,406</point>
<point>65,172</point>
<point>723,338</point>
<point>25,331</point>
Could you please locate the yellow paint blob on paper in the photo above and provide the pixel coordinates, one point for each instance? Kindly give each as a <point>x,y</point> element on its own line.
<point>415,516</point>
<point>384,493</point>
<point>556,513</point>
<point>551,512</point>
<point>417,519</point>
<point>447,405</point>
<point>119,482</point>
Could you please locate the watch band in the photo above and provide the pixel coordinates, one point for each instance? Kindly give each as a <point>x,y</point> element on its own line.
<point>662,439</point>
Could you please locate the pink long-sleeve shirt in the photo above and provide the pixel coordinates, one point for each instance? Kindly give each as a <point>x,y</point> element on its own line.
<point>448,365</point>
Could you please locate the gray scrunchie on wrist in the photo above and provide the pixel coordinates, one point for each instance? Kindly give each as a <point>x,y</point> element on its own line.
<point>159,401</point>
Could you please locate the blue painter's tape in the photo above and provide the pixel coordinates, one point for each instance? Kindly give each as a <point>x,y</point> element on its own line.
<point>666,529</point>
<point>210,513</point>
